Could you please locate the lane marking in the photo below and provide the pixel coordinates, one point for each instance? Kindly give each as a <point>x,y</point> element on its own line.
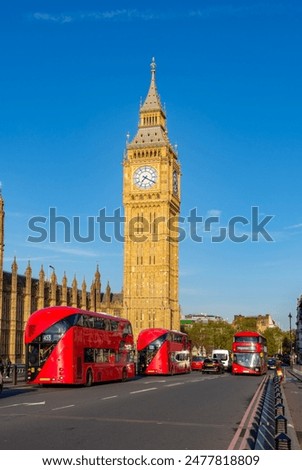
<point>144,390</point>
<point>173,385</point>
<point>109,398</point>
<point>62,407</point>
<point>34,404</point>
<point>23,404</point>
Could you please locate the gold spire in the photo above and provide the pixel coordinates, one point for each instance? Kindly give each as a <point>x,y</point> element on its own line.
<point>152,127</point>
<point>152,101</point>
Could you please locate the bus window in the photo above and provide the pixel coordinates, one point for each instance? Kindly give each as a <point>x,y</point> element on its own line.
<point>127,330</point>
<point>114,325</point>
<point>33,355</point>
<point>88,355</point>
<point>45,351</point>
<point>99,323</point>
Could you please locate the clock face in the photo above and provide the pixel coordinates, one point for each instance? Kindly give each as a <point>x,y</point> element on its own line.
<point>175,182</point>
<point>145,177</point>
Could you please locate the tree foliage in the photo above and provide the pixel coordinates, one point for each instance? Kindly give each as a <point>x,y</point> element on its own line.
<point>219,335</point>
<point>274,337</point>
<point>245,324</point>
<point>212,335</point>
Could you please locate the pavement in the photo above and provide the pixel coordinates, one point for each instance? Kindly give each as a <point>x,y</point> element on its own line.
<point>292,395</point>
<point>291,387</point>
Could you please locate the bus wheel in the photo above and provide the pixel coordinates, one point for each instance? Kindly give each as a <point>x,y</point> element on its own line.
<point>88,379</point>
<point>124,375</point>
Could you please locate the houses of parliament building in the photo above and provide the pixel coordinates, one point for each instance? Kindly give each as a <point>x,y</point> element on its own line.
<point>151,199</point>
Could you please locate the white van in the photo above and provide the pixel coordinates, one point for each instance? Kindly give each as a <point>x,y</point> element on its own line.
<point>224,356</point>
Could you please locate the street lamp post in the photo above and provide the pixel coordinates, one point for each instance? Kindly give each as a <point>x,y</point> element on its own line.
<point>290,336</point>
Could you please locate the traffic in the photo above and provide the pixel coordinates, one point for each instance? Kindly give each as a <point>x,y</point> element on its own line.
<point>146,412</point>
<point>66,345</point>
<point>69,346</point>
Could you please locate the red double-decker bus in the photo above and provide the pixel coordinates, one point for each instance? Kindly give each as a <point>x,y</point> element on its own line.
<point>66,345</point>
<point>249,353</point>
<point>162,351</point>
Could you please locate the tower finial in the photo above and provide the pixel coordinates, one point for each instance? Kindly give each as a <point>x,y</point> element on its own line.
<point>153,67</point>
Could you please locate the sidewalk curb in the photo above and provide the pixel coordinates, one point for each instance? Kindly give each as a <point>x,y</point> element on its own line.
<point>291,428</point>
<point>290,424</point>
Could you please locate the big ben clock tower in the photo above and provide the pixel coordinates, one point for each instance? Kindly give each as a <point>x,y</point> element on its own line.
<point>151,198</point>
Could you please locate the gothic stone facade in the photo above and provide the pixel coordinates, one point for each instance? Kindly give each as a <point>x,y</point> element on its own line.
<point>23,294</point>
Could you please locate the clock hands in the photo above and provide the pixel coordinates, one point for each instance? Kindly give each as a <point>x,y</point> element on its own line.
<point>145,177</point>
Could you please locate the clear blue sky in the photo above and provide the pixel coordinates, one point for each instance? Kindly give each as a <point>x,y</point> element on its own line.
<point>229,72</point>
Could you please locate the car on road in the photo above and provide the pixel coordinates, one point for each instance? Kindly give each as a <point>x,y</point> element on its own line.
<point>197,362</point>
<point>272,363</point>
<point>212,366</point>
<point>1,382</point>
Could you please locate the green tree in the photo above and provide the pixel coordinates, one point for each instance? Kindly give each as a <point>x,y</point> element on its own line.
<point>197,335</point>
<point>245,324</point>
<point>286,343</point>
<point>274,337</point>
<point>212,335</point>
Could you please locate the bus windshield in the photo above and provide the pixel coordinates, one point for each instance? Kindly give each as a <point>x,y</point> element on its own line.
<point>247,360</point>
<point>55,332</point>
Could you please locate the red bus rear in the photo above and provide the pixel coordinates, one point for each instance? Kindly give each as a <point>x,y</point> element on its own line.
<point>66,345</point>
<point>249,353</point>
<point>162,351</point>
